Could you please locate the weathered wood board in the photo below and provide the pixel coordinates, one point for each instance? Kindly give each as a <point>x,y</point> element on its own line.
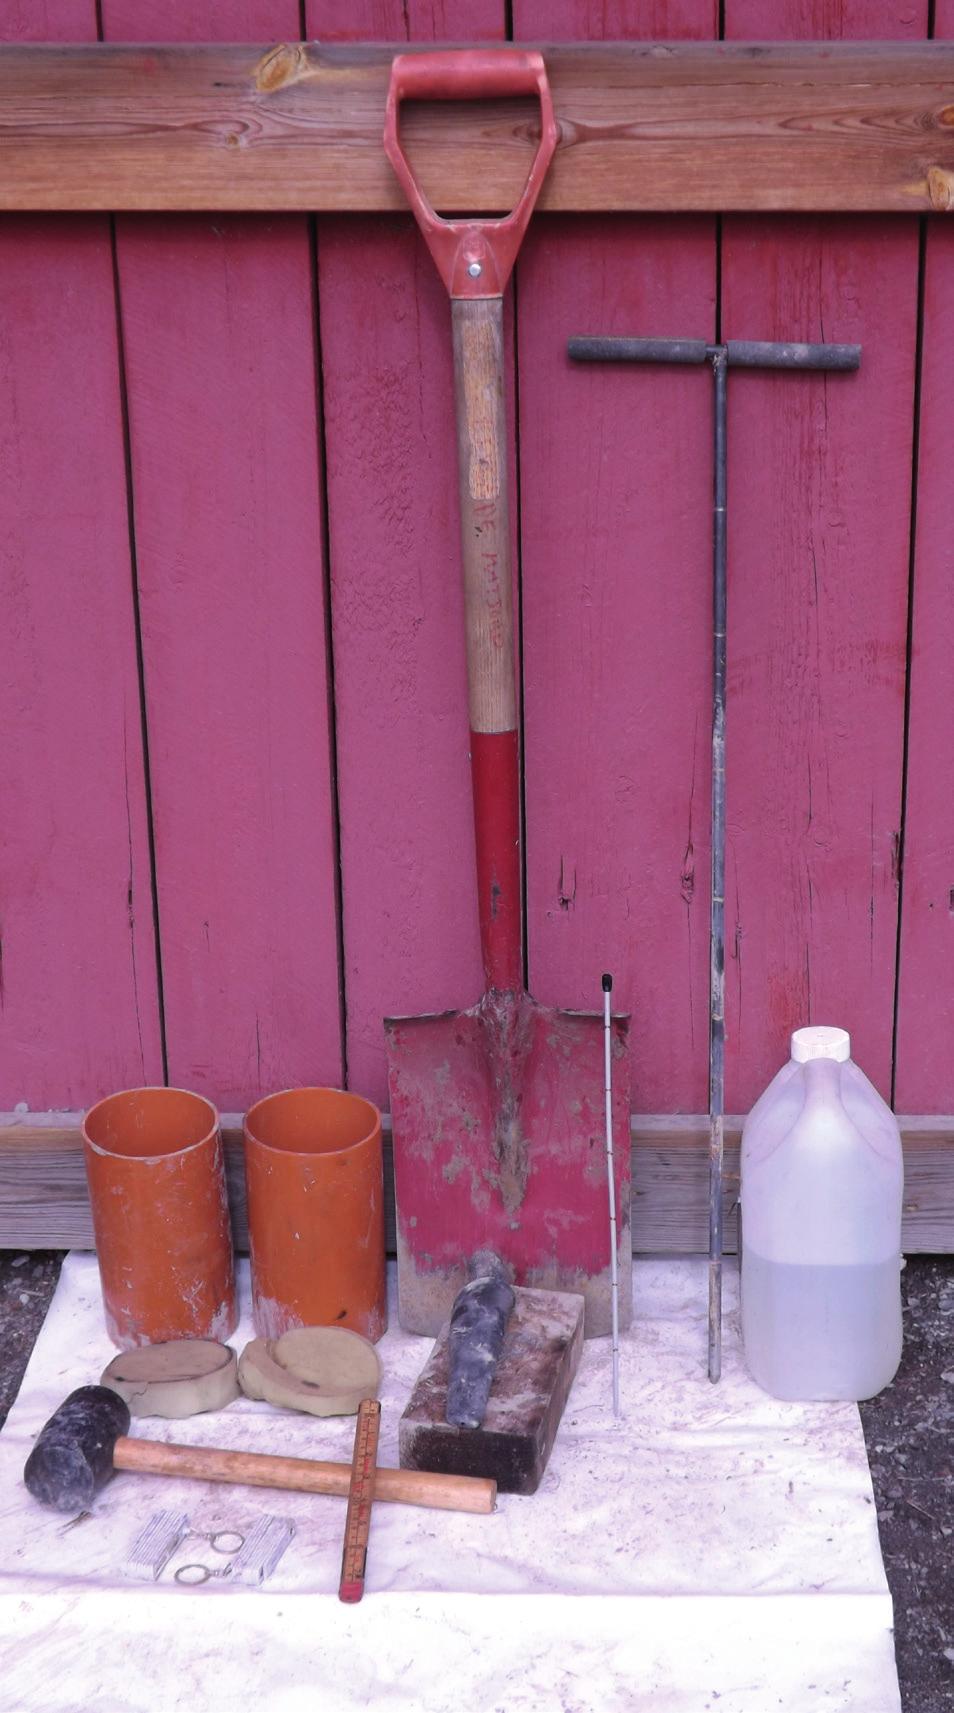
<point>644,126</point>
<point>79,1003</point>
<point>924,1069</point>
<point>616,486</point>
<point>228,406</point>
<point>819,518</point>
<point>537,1366</point>
<point>218,327</point>
<point>409,905</point>
<point>44,1204</point>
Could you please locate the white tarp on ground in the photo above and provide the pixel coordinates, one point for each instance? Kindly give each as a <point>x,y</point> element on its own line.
<point>712,1549</point>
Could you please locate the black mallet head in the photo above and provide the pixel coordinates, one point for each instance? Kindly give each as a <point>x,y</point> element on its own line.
<point>73,1455</point>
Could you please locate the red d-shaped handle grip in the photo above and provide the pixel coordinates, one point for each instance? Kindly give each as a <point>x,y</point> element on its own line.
<point>474,257</point>
<point>471,74</point>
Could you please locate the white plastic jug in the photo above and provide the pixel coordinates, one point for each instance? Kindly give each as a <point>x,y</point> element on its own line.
<point>821,1191</point>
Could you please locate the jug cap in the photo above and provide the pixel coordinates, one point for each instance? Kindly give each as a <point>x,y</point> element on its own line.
<point>820,1042</point>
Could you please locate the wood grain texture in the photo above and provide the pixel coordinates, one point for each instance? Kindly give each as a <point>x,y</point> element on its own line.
<point>518,1423</point>
<point>924,1067</point>
<point>480,359</point>
<point>79,1010</point>
<point>819,514</point>
<point>217,318</point>
<point>301,1474</point>
<point>407,841</point>
<point>615,489</point>
<point>44,1202</point>
<point>693,127</point>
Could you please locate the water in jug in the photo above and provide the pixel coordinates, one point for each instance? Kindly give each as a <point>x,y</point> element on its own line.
<point>821,1194</point>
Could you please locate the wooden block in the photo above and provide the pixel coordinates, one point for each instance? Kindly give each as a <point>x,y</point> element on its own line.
<point>540,1358</point>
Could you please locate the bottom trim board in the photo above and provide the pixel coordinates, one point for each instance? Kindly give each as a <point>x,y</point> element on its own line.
<point>44,1204</point>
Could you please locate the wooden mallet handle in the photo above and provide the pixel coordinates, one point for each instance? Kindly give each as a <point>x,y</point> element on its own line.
<point>302,1475</point>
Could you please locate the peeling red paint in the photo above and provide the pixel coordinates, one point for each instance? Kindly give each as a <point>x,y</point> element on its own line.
<point>499,1142</point>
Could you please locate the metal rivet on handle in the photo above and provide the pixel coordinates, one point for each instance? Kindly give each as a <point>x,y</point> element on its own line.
<point>475,270</point>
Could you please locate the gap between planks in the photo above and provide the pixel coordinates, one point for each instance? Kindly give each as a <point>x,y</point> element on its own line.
<point>44,1204</point>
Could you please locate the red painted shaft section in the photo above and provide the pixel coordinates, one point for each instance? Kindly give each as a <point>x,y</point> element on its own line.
<point>494,758</point>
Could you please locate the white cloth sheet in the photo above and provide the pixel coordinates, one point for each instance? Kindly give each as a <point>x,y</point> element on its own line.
<point>711,1549</point>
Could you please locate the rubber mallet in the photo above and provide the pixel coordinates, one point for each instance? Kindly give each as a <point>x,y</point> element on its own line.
<point>85,1440</point>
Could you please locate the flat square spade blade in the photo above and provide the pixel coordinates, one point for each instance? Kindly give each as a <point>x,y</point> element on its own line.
<point>499,1142</point>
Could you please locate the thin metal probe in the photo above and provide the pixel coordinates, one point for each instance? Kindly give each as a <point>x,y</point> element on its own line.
<point>611,1178</point>
<point>717,904</point>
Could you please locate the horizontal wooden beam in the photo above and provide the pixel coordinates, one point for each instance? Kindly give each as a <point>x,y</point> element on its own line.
<point>44,1205</point>
<point>643,126</point>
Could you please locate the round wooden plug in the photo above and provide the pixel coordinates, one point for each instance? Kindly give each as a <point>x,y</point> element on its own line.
<point>323,1370</point>
<point>182,1377</point>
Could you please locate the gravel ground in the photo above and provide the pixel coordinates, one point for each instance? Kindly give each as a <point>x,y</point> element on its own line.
<point>27,1283</point>
<point>908,1430</point>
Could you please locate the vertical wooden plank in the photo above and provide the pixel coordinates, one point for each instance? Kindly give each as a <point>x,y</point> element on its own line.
<point>48,21</point>
<point>819,510</point>
<point>218,323</point>
<point>407,847</point>
<point>924,1071</point>
<point>616,488</point>
<point>79,1011</point>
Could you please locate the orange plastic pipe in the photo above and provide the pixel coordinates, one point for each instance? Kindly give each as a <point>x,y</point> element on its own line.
<point>315,1178</point>
<point>156,1177</point>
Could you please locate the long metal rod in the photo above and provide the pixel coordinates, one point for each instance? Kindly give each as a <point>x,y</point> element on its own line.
<point>717,895</point>
<point>736,353</point>
<point>611,1178</point>
<point>740,354</point>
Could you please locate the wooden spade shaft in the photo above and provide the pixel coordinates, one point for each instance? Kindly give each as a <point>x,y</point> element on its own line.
<point>497,1111</point>
<point>302,1475</point>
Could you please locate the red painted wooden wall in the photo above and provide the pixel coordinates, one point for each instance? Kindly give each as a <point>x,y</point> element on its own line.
<point>236,804</point>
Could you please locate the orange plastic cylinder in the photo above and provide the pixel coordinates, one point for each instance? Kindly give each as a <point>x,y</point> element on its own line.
<point>315,1177</point>
<point>156,1176</point>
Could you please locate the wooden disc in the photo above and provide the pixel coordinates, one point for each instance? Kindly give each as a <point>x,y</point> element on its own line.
<point>330,1356</point>
<point>324,1370</point>
<point>181,1378</point>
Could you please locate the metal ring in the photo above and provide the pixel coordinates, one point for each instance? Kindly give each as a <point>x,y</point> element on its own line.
<point>233,1535</point>
<point>193,1581</point>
